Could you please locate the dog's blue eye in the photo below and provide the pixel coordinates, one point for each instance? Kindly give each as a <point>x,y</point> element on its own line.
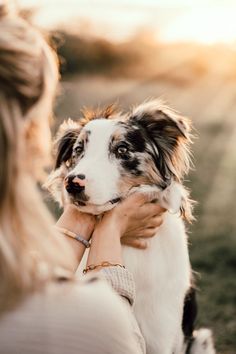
<point>122,150</point>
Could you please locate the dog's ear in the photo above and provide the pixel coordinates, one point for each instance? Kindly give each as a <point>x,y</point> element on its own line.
<point>168,135</point>
<point>186,209</point>
<point>65,140</point>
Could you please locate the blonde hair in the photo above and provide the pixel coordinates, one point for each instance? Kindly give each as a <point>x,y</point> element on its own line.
<point>30,251</point>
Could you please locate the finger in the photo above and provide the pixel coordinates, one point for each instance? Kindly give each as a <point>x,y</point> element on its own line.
<point>146,223</point>
<point>133,242</point>
<point>150,210</point>
<point>157,209</point>
<point>140,198</point>
<point>151,222</point>
<point>144,233</point>
<point>132,201</point>
<point>148,233</point>
<point>147,211</point>
<point>155,221</point>
<point>144,207</point>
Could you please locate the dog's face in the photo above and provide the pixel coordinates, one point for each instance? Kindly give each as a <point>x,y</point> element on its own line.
<point>102,157</point>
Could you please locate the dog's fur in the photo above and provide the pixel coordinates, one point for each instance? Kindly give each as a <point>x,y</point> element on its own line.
<point>146,150</point>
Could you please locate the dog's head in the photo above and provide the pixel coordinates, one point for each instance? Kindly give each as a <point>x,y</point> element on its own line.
<point>100,158</point>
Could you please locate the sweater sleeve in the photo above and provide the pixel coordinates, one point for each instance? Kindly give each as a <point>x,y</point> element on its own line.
<point>122,282</point>
<point>120,322</point>
<point>84,317</point>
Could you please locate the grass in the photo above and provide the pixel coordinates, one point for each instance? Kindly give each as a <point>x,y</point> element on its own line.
<point>212,238</point>
<point>213,257</point>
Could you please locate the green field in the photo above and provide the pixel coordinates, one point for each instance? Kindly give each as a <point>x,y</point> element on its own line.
<point>210,101</point>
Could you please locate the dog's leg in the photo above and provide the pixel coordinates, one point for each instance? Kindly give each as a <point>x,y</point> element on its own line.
<point>189,316</point>
<point>202,342</point>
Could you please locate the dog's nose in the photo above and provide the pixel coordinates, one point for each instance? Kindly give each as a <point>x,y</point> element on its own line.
<point>75,184</point>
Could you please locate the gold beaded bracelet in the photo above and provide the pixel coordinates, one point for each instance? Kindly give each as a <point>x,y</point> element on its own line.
<point>101,265</point>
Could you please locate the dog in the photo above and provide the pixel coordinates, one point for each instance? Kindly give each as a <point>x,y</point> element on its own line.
<point>104,157</point>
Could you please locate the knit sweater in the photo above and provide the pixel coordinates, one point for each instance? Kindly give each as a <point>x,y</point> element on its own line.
<point>83,317</point>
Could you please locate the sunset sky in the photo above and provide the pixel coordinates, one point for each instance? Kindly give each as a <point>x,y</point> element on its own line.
<point>171,20</point>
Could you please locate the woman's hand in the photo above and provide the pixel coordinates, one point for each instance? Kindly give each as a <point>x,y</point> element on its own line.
<point>130,220</point>
<point>137,218</point>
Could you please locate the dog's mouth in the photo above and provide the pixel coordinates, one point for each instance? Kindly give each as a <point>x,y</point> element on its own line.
<point>94,208</point>
<point>111,203</point>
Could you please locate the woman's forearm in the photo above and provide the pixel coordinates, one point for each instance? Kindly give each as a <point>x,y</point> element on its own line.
<point>105,244</point>
<point>78,223</point>
<point>78,250</point>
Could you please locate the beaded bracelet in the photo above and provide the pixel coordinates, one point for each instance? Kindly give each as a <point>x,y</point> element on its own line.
<point>101,265</point>
<point>74,236</point>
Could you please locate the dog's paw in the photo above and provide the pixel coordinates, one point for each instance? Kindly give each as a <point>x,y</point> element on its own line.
<point>203,342</point>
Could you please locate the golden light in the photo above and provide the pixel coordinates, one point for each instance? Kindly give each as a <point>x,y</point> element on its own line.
<point>206,25</point>
<point>205,21</point>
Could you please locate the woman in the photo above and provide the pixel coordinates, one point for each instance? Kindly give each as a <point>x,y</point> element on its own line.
<point>43,308</point>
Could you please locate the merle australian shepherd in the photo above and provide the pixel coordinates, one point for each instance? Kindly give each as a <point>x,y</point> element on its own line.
<point>101,159</point>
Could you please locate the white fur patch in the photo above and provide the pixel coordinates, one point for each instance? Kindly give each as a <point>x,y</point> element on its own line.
<point>203,342</point>
<point>100,186</point>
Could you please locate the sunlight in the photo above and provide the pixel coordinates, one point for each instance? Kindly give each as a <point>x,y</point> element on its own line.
<point>201,21</point>
<point>205,25</point>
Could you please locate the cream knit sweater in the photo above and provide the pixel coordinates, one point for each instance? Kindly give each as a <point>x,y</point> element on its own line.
<point>84,317</point>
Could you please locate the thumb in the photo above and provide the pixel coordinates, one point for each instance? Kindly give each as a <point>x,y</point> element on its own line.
<point>134,242</point>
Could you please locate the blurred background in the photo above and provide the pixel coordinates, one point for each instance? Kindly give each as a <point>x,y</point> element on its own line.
<point>185,52</point>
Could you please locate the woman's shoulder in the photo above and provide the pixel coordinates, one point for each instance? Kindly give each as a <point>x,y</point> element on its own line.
<point>80,315</point>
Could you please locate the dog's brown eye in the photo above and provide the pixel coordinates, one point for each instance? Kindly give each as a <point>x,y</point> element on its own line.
<point>79,149</point>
